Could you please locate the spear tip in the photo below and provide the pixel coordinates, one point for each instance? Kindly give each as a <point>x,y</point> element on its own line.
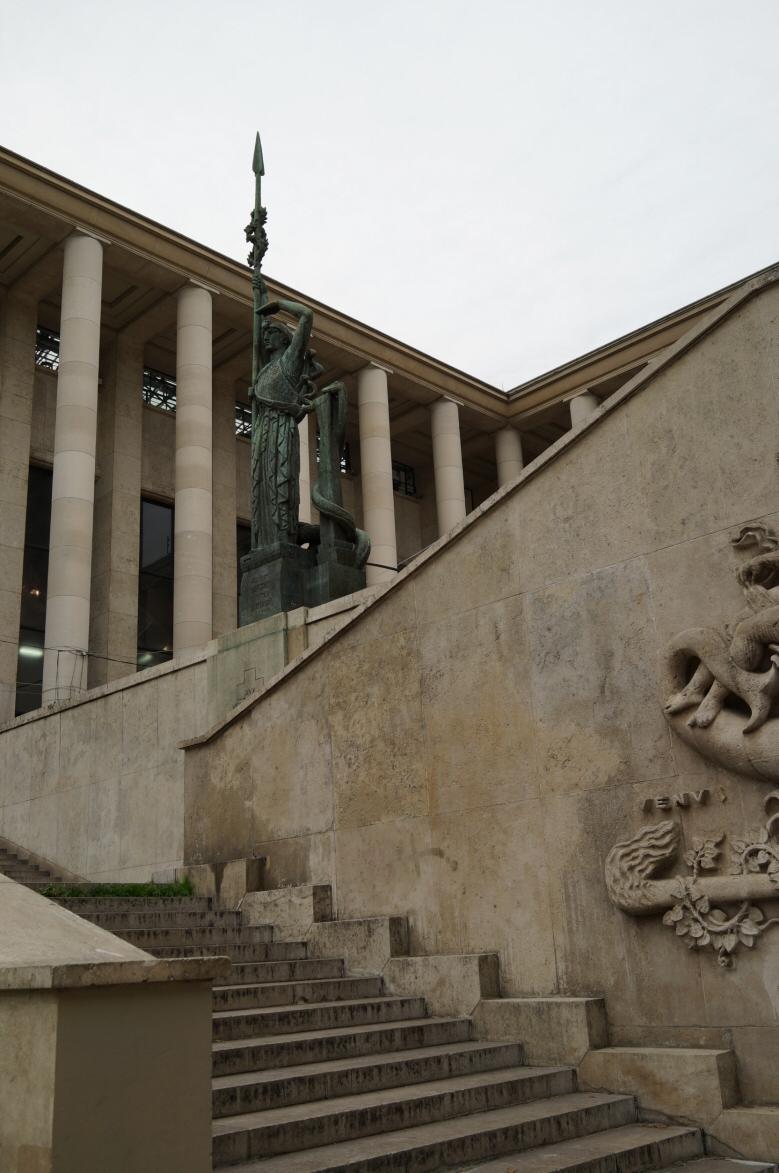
<point>258,166</point>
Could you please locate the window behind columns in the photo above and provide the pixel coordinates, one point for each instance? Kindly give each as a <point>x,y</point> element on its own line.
<point>29,674</point>
<point>155,585</point>
<point>243,544</point>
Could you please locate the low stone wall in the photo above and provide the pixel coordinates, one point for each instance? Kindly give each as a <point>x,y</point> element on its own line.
<point>470,749</point>
<point>97,785</point>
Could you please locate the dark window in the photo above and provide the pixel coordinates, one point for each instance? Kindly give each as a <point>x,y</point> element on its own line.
<point>159,389</point>
<point>29,673</point>
<point>404,479</point>
<point>243,544</point>
<point>243,419</point>
<point>47,349</point>
<point>155,585</point>
<point>346,455</point>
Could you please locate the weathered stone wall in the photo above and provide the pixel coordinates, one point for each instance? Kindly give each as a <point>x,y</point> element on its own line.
<point>468,750</point>
<point>98,786</point>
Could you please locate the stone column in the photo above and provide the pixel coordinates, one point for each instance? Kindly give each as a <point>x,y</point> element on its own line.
<point>447,464</point>
<point>582,407</point>
<point>193,526</point>
<point>17,376</point>
<point>508,455</point>
<point>378,499</point>
<point>225,554</point>
<point>73,485</point>
<point>113,628</point>
<point>304,431</point>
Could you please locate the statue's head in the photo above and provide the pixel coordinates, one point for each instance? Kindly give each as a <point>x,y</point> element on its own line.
<point>276,337</point>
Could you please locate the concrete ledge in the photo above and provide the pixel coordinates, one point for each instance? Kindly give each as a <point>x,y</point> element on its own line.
<point>450,983</point>
<point>366,945</point>
<point>749,1132</point>
<point>292,911</point>
<point>120,973</point>
<point>227,882</point>
<point>686,1083</point>
<point>553,1030</point>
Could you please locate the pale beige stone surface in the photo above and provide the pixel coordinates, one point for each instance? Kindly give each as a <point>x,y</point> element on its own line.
<point>474,743</point>
<point>451,983</point>
<point>292,911</point>
<point>552,1030</point>
<point>692,1084</point>
<point>749,1132</point>
<point>366,945</point>
<point>113,637</point>
<point>28,1027</point>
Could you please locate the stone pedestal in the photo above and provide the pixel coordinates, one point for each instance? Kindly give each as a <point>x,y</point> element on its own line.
<point>274,579</point>
<point>333,575</point>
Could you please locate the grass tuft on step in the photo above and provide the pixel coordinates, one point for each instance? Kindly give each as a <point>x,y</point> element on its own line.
<point>68,891</point>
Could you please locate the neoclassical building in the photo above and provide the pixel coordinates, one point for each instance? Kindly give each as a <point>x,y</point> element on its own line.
<point>125,356</point>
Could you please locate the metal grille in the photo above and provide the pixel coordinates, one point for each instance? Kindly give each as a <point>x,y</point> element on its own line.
<point>243,420</point>
<point>159,389</point>
<point>404,479</point>
<point>47,349</point>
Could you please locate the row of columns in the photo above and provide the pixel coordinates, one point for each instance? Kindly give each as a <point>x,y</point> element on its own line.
<point>70,584</point>
<point>67,635</point>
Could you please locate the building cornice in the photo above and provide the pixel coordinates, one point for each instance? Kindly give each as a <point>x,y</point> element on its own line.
<point>68,201</point>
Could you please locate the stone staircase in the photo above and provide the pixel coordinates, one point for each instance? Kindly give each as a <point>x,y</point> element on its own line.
<point>318,1070</point>
<point>28,869</point>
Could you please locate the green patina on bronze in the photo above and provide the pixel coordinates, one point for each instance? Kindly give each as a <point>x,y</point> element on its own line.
<point>292,563</point>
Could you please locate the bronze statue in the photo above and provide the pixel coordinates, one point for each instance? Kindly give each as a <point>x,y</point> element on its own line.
<point>291,563</point>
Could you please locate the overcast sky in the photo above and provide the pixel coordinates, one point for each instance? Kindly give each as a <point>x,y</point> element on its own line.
<point>504,184</point>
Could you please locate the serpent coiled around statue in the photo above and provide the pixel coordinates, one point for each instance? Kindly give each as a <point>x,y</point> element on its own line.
<point>330,407</point>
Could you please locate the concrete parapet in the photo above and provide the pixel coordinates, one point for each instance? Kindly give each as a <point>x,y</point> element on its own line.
<point>292,911</point>
<point>106,1062</point>
<point>451,983</point>
<point>690,1083</point>
<point>553,1030</point>
<point>365,945</point>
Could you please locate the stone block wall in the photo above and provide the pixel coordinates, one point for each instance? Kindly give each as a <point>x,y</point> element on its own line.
<point>467,751</point>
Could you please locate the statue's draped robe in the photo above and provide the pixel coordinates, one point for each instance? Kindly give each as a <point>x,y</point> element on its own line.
<point>276,456</point>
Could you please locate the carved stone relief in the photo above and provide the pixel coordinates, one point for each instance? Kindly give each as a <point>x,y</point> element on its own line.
<point>722,688</point>
<point>690,902</point>
<point>730,678</point>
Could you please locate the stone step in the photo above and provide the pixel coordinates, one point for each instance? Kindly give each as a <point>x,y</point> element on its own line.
<point>484,1100</point>
<point>197,935</point>
<point>235,997</point>
<point>274,951</point>
<point>324,1046</point>
<point>459,1143</point>
<point>119,922</point>
<point>239,1024</point>
<point>87,905</point>
<point>310,969</point>
<point>257,1091</point>
<point>24,875</point>
<point>721,1165</point>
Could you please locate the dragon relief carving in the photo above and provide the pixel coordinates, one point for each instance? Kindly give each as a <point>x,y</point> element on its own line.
<point>722,688</point>
<point>690,903</point>
<point>730,678</point>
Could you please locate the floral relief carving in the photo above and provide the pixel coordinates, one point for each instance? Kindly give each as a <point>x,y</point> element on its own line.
<point>692,902</point>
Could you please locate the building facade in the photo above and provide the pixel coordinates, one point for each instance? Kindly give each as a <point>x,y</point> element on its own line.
<point>125,357</point>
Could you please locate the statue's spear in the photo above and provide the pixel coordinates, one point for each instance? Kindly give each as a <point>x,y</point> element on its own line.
<point>259,242</point>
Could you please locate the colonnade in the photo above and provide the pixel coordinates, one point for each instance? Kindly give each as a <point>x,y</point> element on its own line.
<point>72,578</point>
